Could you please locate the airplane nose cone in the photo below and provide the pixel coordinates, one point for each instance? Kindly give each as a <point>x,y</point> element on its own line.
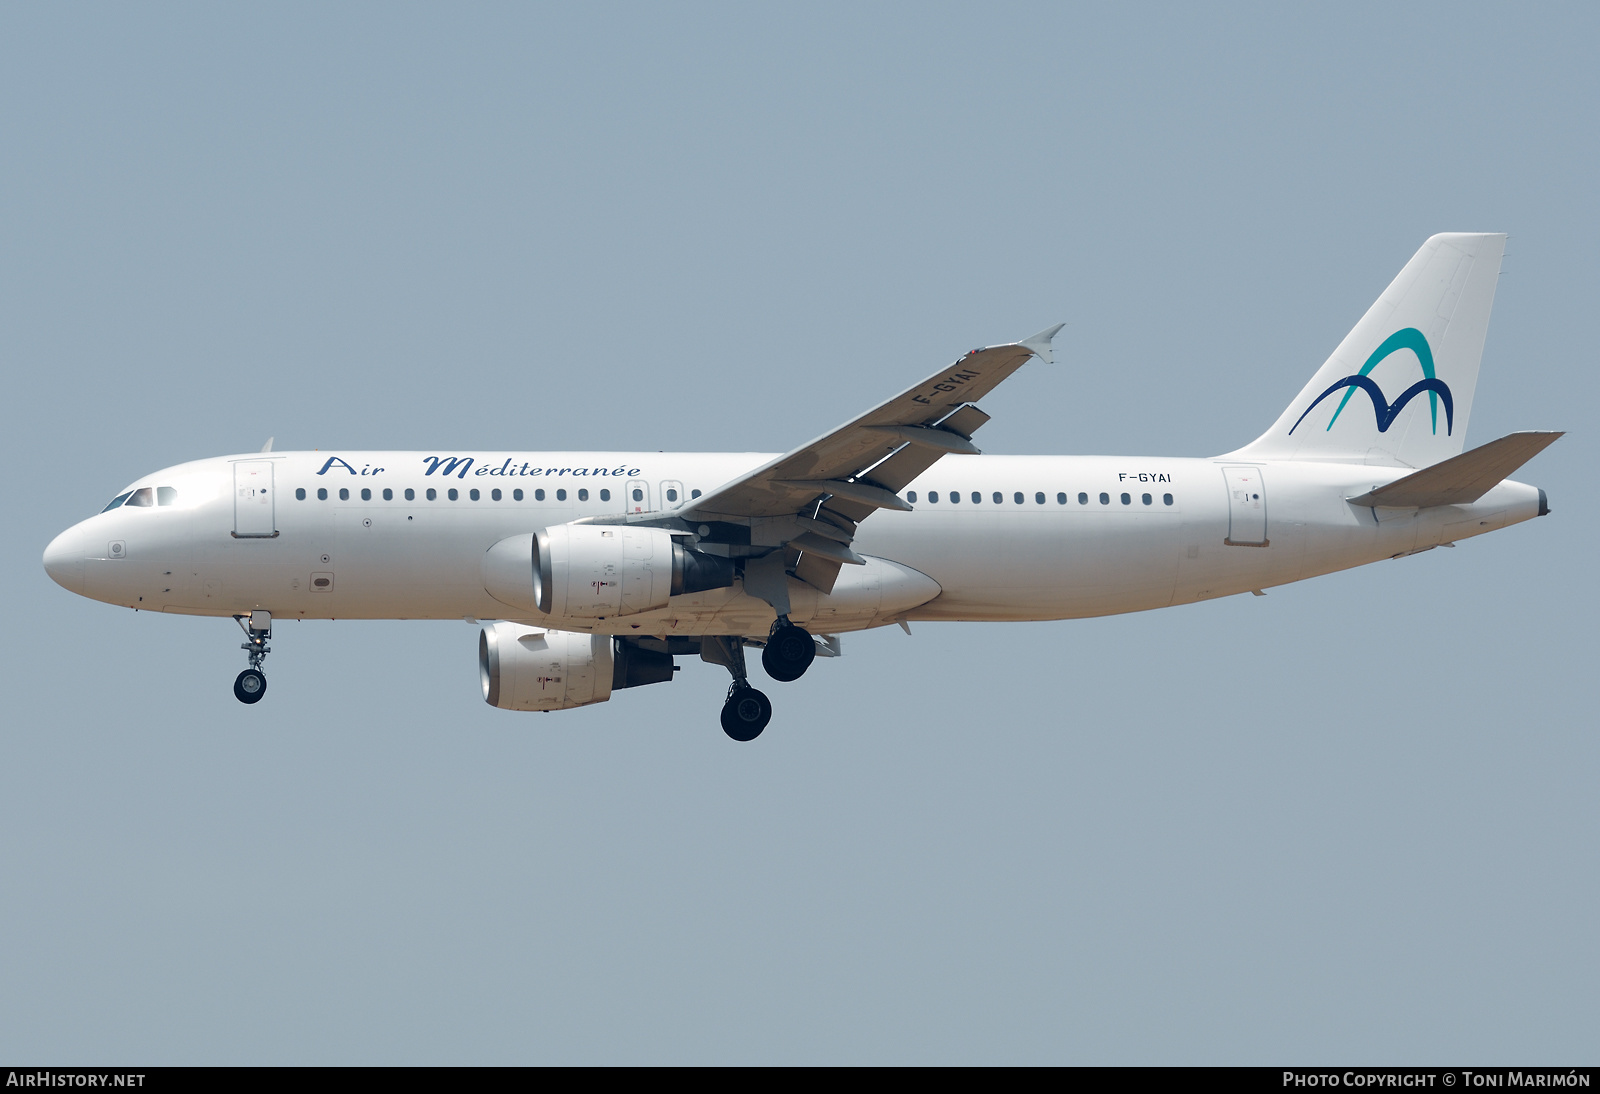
<point>63,560</point>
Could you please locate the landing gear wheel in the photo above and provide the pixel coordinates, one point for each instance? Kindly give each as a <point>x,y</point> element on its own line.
<point>251,685</point>
<point>790,651</point>
<point>746,713</point>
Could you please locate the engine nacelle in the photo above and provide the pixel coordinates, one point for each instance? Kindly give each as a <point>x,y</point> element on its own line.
<point>529,668</point>
<point>597,571</point>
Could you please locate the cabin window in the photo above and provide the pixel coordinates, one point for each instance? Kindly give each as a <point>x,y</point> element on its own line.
<point>1146,498</point>
<point>366,493</point>
<point>638,495</point>
<point>1105,499</point>
<point>453,494</point>
<point>411,495</point>
<point>474,495</point>
<point>495,495</point>
<point>1166,499</point>
<point>388,495</point>
<point>911,496</point>
<point>672,495</point>
<point>1083,499</point>
<point>1017,497</point>
<point>605,495</point>
<point>1126,500</point>
<point>933,497</point>
<point>538,495</point>
<point>1038,499</point>
<point>344,493</point>
<point>144,498</point>
<point>116,501</point>
<point>322,493</point>
<point>516,495</point>
<point>583,494</point>
<point>300,493</point>
<point>166,495</point>
<point>1061,499</point>
<point>433,495</point>
<point>694,493</point>
<point>999,498</point>
<point>561,495</point>
<point>955,496</point>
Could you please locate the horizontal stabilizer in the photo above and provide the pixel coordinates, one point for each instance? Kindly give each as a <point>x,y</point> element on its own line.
<point>1462,479</point>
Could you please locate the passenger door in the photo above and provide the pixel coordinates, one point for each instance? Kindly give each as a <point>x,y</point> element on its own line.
<point>253,500</point>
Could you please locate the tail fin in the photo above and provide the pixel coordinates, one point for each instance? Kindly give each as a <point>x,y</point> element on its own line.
<point>1398,390</point>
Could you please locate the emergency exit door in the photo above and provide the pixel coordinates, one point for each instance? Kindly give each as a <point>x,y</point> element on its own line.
<point>638,496</point>
<point>1247,507</point>
<point>253,500</point>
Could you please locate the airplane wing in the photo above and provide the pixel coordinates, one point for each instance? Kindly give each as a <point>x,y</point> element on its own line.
<point>859,467</point>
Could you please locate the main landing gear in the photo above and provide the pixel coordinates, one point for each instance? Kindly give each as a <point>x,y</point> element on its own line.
<point>746,711</point>
<point>251,684</point>
<point>789,652</point>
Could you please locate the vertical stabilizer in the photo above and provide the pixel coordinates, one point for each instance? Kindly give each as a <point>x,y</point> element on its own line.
<point>1398,390</point>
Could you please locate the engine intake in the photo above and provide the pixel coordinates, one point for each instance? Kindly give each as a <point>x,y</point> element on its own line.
<point>596,571</point>
<point>529,668</point>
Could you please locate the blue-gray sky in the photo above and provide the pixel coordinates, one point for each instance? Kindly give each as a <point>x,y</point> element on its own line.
<point>1352,821</point>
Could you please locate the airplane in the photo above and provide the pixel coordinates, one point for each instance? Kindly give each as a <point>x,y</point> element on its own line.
<point>594,571</point>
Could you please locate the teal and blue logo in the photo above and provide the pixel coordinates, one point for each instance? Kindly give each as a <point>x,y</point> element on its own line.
<point>1438,391</point>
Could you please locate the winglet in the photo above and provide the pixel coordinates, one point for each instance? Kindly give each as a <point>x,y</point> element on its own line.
<point>1039,344</point>
<point>268,446</point>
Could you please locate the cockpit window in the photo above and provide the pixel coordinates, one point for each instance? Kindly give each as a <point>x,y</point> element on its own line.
<point>116,501</point>
<point>166,495</point>
<point>144,496</point>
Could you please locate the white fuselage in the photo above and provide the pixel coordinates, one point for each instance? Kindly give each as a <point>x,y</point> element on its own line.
<point>252,533</point>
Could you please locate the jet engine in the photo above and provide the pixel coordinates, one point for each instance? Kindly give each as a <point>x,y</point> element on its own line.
<point>596,571</point>
<point>530,668</point>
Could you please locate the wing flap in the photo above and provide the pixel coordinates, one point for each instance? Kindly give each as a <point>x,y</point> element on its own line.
<point>1462,479</point>
<point>818,572</point>
<point>965,421</point>
<point>902,468</point>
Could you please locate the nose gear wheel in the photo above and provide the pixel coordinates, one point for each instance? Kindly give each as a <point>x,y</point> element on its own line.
<point>250,686</point>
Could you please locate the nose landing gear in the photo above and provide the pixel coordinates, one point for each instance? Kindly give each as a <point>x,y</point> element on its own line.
<point>251,684</point>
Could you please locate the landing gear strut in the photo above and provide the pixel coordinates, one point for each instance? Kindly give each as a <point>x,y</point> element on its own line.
<point>746,711</point>
<point>251,684</point>
<point>790,651</point>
